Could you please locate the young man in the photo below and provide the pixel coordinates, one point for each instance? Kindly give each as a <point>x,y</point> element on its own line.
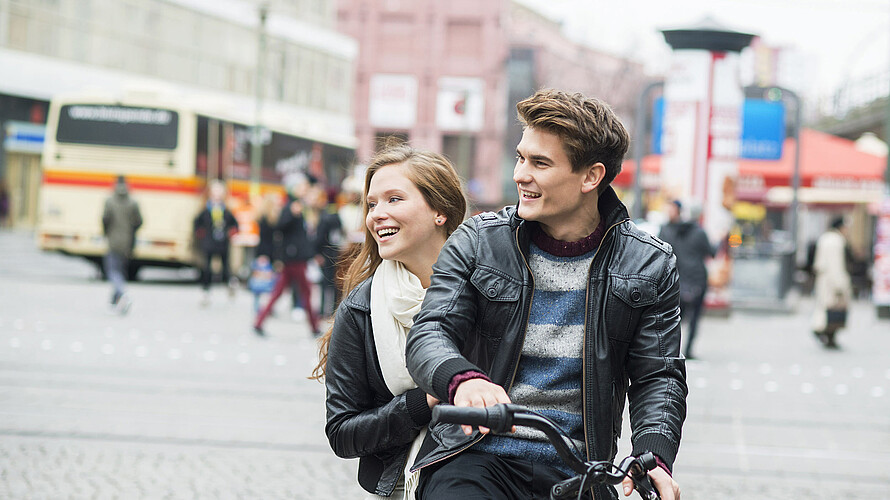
<point>560,304</point>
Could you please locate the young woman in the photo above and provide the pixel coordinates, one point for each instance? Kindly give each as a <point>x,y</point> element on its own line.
<point>412,201</point>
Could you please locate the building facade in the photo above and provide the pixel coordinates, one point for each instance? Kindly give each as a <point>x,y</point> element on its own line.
<point>304,71</point>
<point>432,73</point>
<point>447,76</point>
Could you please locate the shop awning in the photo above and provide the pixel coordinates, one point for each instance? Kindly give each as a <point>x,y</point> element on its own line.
<point>827,162</point>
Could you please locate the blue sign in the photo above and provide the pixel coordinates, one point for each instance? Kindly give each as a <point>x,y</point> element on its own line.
<point>23,137</point>
<point>763,129</point>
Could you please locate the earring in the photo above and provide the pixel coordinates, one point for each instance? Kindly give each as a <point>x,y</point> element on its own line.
<point>439,221</point>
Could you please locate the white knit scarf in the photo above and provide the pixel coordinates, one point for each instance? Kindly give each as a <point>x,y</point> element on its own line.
<point>396,296</point>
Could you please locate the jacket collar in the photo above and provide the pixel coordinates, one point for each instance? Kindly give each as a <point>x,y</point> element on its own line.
<point>360,296</point>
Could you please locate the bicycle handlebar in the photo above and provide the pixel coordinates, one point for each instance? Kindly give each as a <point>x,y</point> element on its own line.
<point>498,418</point>
<point>501,418</point>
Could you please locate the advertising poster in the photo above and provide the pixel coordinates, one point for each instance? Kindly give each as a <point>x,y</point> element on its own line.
<point>459,104</point>
<point>393,101</point>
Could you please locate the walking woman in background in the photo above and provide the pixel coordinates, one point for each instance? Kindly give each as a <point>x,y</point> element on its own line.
<point>412,201</point>
<point>297,226</point>
<point>832,287</point>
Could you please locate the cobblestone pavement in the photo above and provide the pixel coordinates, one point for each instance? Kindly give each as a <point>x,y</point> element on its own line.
<point>102,466</point>
<point>178,401</point>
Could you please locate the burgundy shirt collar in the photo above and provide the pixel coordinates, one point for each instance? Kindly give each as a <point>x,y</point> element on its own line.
<point>568,248</point>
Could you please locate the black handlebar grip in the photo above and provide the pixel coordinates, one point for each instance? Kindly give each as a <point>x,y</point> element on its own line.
<point>497,418</point>
<point>464,415</point>
<point>647,460</point>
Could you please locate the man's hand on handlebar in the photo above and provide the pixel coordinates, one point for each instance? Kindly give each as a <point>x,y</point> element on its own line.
<point>479,393</point>
<point>663,482</point>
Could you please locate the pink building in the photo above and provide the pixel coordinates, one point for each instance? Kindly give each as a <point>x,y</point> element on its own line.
<point>562,63</point>
<point>432,73</point>
<point>447,75</point>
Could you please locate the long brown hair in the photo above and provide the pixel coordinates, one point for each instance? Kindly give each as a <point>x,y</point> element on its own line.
<point>437,181</point>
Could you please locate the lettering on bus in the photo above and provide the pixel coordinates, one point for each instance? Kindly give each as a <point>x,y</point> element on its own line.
<point>127,126</point>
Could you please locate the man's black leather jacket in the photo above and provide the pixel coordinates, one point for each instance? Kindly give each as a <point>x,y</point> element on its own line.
<point>475,314</point>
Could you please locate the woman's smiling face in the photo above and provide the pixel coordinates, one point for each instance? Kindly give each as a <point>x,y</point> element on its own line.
<point>400,220</point>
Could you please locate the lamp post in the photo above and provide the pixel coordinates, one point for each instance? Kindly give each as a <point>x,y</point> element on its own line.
<point>703,104</point>
<point>256,149</point>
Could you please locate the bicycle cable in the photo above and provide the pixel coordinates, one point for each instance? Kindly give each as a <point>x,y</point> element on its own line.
<point>561,430</point>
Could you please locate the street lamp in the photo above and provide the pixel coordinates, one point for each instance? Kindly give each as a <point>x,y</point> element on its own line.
<point>256,150</point>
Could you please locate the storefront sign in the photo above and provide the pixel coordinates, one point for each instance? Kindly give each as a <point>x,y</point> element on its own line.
<point>24,137</point>
<point>763,129</point>
<point>393,101</point>
<point>459,104</point>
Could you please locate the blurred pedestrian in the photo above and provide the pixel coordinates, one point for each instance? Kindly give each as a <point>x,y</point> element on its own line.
<point>832,288</point>
<point>120,221</point>
<point>267,262</point>
<point>329,243</point>
<point>298,248</point>
<point>4,204</point>
<point>214,227</point>
<point>262,279</point>
<point>269,243</point>
<point>352,222</point>
<point>692,248</point>
<point>375,410</point>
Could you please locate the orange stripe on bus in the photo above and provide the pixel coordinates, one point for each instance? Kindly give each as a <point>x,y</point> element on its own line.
<point>182,185</point>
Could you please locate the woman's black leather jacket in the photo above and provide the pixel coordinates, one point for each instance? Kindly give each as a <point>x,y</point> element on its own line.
<point>364,419</point>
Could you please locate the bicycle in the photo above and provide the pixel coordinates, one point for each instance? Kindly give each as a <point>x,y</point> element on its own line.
<point>502,417</point>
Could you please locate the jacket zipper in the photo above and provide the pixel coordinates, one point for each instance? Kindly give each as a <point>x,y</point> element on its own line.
<point>584,344</point>
<point>526,307</point>
<point>515,361</point>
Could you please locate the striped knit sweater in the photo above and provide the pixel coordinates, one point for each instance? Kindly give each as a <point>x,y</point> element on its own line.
<point>549,375</point>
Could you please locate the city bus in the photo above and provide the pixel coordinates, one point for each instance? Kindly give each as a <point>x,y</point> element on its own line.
<point>168,149</point>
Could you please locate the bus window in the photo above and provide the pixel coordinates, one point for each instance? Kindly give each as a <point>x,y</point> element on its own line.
<point>109,125</point>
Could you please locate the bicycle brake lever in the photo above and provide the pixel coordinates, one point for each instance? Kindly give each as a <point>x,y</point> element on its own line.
<point>567,488</point>
<point>641,480</point>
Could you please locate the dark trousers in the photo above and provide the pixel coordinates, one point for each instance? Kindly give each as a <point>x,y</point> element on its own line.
<point>207,272</point>
<point>473,475</point>
<point>293,272</point>
<point>330,293</point>
<point>691,310</point>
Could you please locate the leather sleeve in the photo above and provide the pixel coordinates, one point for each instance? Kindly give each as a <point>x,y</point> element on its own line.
<point>356,424</point>
<point>657,392</point>
<point>446,318</point>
